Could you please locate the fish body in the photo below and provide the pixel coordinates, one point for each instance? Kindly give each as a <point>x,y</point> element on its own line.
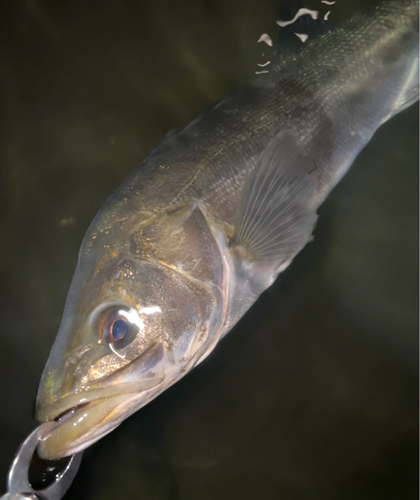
<point>206,223</point>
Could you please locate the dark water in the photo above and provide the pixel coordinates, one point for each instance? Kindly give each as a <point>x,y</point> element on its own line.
<point>314,395</point>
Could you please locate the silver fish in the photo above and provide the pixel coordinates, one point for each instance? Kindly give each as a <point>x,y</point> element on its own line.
<point>193,236</point>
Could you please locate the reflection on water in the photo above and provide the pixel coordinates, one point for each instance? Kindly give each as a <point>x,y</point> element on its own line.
<point>314,394</point>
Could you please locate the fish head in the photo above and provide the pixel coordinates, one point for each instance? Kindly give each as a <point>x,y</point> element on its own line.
<point>133,324</point>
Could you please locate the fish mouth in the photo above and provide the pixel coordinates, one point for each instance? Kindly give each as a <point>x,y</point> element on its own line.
<point>81,425</point>
<point>86,416</point>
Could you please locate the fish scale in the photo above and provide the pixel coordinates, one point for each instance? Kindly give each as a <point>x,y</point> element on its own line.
<point>211,217</point>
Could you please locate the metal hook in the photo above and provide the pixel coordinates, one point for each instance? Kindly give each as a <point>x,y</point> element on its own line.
<point>18,485</point>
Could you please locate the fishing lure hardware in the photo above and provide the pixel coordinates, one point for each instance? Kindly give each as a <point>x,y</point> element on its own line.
<point>18,485</point>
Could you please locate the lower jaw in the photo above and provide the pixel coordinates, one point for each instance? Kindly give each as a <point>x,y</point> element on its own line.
<point>50,454</point>
<point>96,418</point>
<point>87,425</point>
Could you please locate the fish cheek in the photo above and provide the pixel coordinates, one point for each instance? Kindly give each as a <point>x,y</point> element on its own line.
<point>182,245</point>
<point>172,308</point>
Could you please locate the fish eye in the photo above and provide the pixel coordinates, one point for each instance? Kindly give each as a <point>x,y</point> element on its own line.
<point>119,327</point>
<point>119,330</point>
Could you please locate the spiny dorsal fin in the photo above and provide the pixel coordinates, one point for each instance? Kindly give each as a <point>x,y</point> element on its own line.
<point>275,219</point>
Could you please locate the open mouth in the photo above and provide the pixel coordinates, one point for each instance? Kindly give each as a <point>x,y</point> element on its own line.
<point>67,414</point>
<point>87,414</point>
<point>82,425</point>
<point>84,418</point>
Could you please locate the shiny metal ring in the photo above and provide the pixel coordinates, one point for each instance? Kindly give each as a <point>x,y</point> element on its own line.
<point>18,484</point>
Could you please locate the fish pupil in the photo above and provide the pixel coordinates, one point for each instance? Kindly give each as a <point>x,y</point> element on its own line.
<point>119,329</point>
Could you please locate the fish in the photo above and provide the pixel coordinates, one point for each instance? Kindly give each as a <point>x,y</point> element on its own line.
<point>208,221</point>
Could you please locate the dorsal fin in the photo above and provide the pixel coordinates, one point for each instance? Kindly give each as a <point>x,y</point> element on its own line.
<point>276,218</point>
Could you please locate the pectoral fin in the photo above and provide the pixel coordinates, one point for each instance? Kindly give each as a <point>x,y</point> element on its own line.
<point>409,98</point>
<point>276,217</point>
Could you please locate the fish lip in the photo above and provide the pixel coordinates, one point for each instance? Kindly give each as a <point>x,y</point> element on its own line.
<point>104,388</point>
<point>67,414</point>
<point>88,413</point>
<point>61,410</point>
<point>65,445</point>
